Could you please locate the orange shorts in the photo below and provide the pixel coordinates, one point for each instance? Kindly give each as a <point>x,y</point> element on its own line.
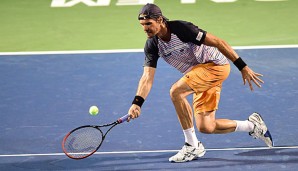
<point>206,80</point>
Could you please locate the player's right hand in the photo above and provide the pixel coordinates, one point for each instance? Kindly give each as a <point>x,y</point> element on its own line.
<point>134,112</point>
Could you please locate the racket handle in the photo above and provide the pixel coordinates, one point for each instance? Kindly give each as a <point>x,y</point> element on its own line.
<point>123,118</point>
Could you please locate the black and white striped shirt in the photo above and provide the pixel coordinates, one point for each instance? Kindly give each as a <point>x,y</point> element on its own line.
<point>184,50</point>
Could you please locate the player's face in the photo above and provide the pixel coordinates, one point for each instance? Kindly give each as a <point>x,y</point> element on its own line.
<point>150,26</point>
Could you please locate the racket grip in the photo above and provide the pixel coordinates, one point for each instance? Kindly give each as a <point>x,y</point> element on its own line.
<point>123,118</point>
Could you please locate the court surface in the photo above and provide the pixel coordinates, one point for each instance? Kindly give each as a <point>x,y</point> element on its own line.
<point>43,96</point>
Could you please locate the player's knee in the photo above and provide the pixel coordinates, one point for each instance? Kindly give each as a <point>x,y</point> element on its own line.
<point>174,92</point>
<point>207,130</point>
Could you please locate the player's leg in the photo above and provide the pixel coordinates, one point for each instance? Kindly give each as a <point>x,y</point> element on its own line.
<point>255,126</point>
<point>194,81</point>
<point>205,105</point>
<point>208,124</point>
<point>178,92</point>
<point>192,148</point>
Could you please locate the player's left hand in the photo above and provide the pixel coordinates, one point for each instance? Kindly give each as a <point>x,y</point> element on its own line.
<point>249,76</point>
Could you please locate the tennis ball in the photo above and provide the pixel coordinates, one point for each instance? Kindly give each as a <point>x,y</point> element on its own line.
<point>93,110</point>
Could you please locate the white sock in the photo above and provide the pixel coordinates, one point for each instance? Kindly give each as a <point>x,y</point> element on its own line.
<point>190,137</point>
<point>244,126</point>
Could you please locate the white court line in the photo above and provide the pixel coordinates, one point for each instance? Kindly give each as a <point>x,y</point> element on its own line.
<point>130,50</point>
<point>153,151</point>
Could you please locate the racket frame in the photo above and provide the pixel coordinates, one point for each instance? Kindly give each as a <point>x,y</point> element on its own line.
<point>112,125</point>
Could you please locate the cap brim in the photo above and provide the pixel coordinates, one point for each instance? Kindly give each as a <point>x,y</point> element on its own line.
<point>150,17</point>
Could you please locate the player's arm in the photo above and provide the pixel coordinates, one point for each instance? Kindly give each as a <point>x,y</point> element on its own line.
<point>247,74</point>
<point>144,87</point>
<point>146,82</point>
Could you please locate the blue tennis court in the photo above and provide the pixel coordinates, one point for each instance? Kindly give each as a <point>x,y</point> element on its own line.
<point>43,96</point>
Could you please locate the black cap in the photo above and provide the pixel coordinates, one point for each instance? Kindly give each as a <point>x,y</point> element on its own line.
<point>150,11</point>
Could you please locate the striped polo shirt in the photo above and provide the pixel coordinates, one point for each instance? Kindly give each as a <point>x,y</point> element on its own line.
<point>184,50</point>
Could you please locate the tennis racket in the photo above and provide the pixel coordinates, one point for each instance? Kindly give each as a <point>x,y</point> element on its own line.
<point>84,141</point>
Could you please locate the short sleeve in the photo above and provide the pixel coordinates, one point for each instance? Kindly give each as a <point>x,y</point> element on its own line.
<point>188,32</point>
<point>151,52</point>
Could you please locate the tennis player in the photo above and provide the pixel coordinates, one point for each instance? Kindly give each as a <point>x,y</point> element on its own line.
<point>204,60</point>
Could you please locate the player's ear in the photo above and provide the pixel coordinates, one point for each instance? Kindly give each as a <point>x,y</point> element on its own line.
<point>159,19</point>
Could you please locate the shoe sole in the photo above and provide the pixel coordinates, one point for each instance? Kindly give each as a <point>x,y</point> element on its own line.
<point>201,154</point>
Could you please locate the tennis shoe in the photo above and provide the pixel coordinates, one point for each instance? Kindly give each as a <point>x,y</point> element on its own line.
<point>260,130</point>
<point>188,153</point>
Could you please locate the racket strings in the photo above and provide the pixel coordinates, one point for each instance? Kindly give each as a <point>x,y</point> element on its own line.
<point>82,142</point>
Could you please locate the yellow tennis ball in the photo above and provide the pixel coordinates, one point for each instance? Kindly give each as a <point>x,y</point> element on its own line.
<point>93,110</point>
